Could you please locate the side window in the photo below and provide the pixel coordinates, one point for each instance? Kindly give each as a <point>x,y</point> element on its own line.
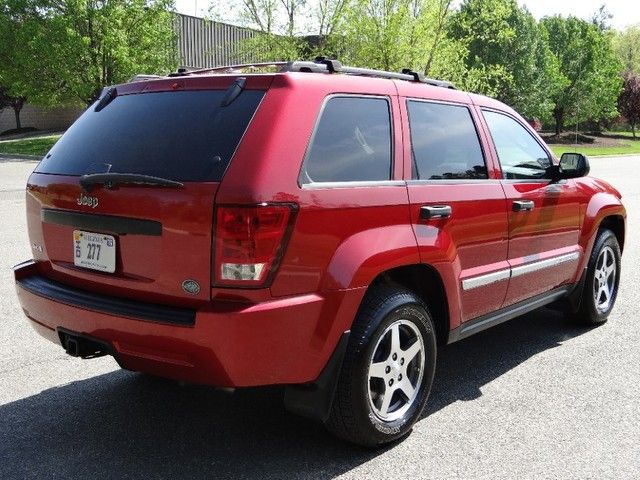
<point>520,155</point>
<point>444,142</point>
<point>352,142</point>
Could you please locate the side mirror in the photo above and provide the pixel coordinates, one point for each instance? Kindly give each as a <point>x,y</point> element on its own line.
<point>573,165</point>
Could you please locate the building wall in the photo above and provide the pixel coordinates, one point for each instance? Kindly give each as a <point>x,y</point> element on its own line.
<point>58,118</point>
<point>201,44</point>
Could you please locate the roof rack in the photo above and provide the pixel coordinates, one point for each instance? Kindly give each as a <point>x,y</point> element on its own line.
<point>322,65</point>
<point>141,77</point>
<point>325,65</point>
<point>226,68</point>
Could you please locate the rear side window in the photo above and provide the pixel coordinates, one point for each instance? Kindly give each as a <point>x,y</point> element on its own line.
<point>520,155</point>
<point>444,142</point>
<point>352,142</point>
<point>183,136</point>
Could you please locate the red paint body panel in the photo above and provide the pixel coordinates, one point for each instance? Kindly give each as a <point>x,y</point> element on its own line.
<point>344,237</point>
<point>551,228</point>
<point>473,241</point>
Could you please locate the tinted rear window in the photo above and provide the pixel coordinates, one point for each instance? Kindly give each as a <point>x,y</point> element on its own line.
<point>352,142</point>
<point>184,136</point>
<point>444,142</point>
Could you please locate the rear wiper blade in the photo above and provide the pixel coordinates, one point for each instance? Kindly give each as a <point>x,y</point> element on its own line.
<point>233,91</point>
<point>110,180</point>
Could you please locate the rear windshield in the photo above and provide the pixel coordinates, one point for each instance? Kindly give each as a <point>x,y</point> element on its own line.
<point>183,136</point>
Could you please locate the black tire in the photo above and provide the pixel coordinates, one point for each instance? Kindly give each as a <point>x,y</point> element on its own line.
<point>353,414</point>
<point>591,311</point>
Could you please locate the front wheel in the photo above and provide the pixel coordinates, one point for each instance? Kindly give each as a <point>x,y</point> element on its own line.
<point>602,280</point>
<point>388,369</point>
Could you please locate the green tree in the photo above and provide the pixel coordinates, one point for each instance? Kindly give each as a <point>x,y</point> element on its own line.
<point>66,51</point>
<point>590,68</point>
<point>284,29</point>
<point>507,55</point>
<point>627,45</point>
<point>396,34</point>
<point>11,94</point>
<point>383,34</point>
<point>378,33</point>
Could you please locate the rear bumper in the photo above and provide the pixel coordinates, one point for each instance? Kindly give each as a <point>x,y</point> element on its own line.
<point>283,341</point>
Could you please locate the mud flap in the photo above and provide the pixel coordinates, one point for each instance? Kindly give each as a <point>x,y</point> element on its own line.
<point>314,400</point>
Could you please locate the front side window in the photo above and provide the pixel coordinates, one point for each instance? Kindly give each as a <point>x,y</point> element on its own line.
<point>352,142</point>
<point>520,155</point>
<point>444,142</point>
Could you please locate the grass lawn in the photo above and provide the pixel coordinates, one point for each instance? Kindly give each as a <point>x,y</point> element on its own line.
<point>29,146</point>
<point>625,134</point>
<point>624,148</point>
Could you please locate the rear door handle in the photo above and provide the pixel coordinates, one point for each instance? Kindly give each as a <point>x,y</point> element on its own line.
<point>523,205</point>
<point>435,211</point>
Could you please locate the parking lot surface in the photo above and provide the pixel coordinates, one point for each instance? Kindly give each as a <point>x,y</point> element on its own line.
<point>533,398</point>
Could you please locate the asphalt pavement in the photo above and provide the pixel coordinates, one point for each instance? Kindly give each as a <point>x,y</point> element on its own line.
<point>533,398</point>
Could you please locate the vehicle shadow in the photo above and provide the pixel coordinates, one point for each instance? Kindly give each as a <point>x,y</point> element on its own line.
<point>126,425</point>
<point>464,367</point>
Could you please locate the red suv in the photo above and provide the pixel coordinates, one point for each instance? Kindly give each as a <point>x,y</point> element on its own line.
<point>317,226</point>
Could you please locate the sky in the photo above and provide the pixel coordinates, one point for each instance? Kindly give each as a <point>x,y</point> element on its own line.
<point>625,12</point>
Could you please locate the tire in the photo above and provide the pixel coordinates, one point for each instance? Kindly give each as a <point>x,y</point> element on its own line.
<point>601,283</point>
<point>359,413</point>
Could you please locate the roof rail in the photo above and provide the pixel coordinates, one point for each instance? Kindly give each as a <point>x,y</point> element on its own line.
<point>226,68</point>
<point>322,65</point>
<point>325,65</point>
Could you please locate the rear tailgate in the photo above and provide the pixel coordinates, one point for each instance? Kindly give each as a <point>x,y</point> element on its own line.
<point>145,242</point>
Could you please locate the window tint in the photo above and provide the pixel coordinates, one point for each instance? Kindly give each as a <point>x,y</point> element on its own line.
<point>184,136</point>
<point>521,156</point>
<point>444,142</point>
<point>352,142</point>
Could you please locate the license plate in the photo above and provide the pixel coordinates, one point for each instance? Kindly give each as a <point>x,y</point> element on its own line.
<point>94,250</point>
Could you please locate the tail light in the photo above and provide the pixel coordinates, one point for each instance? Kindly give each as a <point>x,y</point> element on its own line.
<point>249,242</point>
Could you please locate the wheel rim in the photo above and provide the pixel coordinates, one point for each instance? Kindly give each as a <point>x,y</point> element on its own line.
<point>395,371</point>
<point>604,282</point>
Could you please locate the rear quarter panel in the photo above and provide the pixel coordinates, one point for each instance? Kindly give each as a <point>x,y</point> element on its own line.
<point>266,169</point>
<point>344,234</point>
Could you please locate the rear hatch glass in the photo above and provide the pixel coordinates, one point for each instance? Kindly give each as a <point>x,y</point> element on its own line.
<point>184,136</point>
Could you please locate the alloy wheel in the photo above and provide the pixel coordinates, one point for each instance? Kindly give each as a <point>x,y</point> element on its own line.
<point>604,282</point>
<point>395,370</point>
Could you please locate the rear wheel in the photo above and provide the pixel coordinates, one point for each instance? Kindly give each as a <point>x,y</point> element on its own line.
<point>387,371</point>
<point>602,280</point>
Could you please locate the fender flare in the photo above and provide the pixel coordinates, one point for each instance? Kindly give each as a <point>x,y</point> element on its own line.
<point>363,256</point>
<point>600,206</point>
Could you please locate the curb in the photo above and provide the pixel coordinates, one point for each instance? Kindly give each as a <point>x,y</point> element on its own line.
<point>15,157</point>
<point>608,155</point>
